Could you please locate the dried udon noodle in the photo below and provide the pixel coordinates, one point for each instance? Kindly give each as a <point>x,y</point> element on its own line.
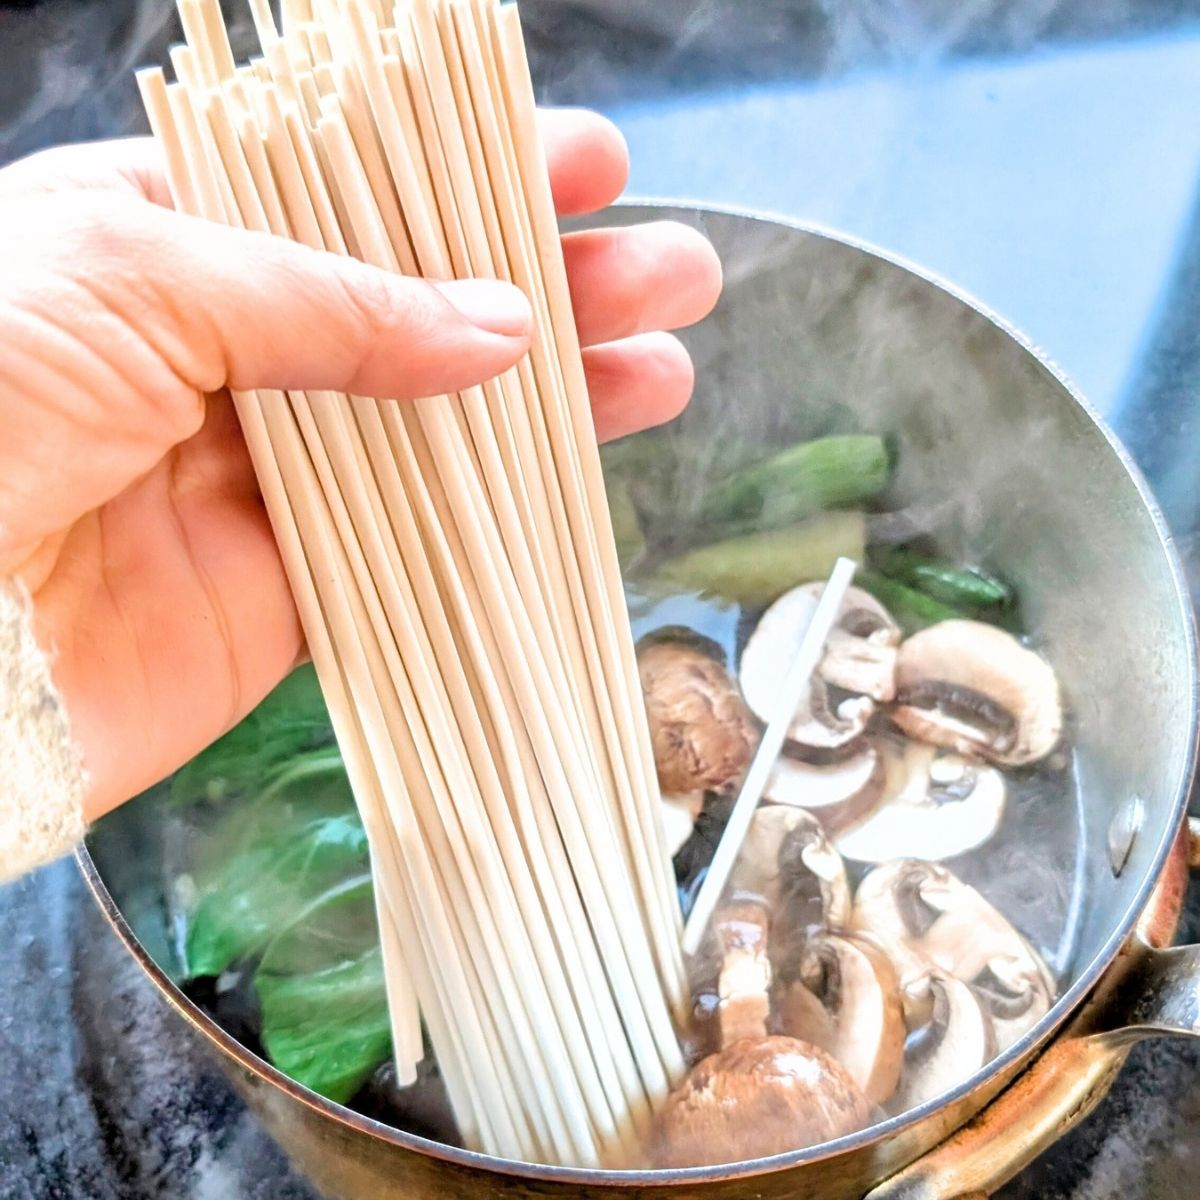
<point>454,566</point>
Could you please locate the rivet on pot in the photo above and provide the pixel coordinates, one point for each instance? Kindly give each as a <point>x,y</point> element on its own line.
<point>1123,832</point>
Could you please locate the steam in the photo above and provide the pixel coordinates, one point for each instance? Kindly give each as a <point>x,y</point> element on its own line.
<point>76,78</point>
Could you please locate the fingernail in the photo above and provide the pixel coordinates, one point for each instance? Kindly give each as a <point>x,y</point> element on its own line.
<point>491,305</point>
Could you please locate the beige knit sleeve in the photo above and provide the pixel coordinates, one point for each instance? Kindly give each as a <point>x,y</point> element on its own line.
<point>41,776</point>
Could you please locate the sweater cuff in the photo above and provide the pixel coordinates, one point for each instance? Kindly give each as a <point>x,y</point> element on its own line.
<point>41,774</point>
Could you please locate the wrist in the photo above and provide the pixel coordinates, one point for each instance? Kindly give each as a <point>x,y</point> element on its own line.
<point>41,774</point>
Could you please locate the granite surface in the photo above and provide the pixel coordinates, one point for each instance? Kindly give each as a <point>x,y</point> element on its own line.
<point>1044,153</point>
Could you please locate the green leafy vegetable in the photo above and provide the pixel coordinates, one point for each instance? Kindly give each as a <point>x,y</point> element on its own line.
<point>320,983</point>
<point>798,482</point>
<point>292,720</point>
<point>966,587</point>
<point>264,859</point>
<point>279,867</point>
<point>759,567</point>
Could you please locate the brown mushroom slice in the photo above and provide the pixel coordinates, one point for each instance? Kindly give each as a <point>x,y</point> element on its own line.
<point>679,815</point>
<point>934,806</point>
<point>839,794</point>
<point>860,655</point>
<point>702,733</point>
<point>924,916</point>
<point>788,861</point>
<point>756,1098</point>
<point>976,689</point>
<point>887,909</point>
<point>972,940</point>
<point>820,721</point>
<point>1016,996</point>
<point>798,1013</point>
<point>958,1041</point>
<point>857,988</point>
<point>744,985</point>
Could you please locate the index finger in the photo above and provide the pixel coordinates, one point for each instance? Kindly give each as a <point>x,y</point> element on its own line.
<point>585,155</point>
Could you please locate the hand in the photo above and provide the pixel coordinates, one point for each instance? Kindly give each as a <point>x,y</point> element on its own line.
<point>127,501</point>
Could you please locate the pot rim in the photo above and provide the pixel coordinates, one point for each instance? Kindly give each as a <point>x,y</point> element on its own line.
<point>1066,1004</point>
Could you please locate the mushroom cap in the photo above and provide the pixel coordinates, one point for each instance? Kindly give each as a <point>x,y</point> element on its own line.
<point>756,1098</point>
<point>976,689</point>
<point>959,1041</point>
<point>839,794</point>
<point>702,733</point>
<point>933,806</point>
<point>858,991</point>
<point>766,661</point>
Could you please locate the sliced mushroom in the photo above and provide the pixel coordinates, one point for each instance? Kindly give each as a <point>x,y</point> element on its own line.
<point>957,1042</point>
<point>798,1013</point>
<point>756,1098</point>
<point>887,910</point>
<point>1016,994</point>
<point>934,806</point>
<point>821,722</point>
<point>839,794</point>
<point>860,655</point>
<point>860,1020</point>
<point>744,985</point>
<point>976,689</point>
<point>971,940</point>
<point>925,919</point>
<point>703,736</point>
<point>679,815</point>
<point>788,861</point>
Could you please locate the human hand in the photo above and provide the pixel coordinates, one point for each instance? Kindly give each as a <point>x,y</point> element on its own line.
<point>128,504</point>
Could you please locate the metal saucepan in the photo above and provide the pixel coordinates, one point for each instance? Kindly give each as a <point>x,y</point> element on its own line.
<point>1001,461</point>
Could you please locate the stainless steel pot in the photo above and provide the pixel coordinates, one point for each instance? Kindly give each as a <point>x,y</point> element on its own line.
<point>1000,459</point>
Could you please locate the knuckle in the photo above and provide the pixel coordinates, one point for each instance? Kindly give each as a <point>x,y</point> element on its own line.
<point>386,308</point>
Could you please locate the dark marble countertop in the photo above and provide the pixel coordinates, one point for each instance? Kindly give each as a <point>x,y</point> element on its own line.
<point>1043,154</point>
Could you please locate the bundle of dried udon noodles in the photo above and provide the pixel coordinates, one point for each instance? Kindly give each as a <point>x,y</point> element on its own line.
<point>455,570</point>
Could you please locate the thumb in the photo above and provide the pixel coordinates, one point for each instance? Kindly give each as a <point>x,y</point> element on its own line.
<point>117,316</point>
<point>247,310</point>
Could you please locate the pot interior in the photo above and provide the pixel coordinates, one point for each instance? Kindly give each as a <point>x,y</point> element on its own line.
<point>1001,465</point>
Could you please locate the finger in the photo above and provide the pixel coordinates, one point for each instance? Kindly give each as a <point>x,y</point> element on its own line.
<point>662,275</point>
<point>587,159</point>
<point>120,316</point>
<point>586,156</point>
<point>245,310</point>
<point>637,383</point>
<point>126,164</point>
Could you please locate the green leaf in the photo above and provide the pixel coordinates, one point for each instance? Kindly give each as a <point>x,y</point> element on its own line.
<point>263,859</point>
<point>291,721</point>
<point>320,983</point>
<point>911,610</point>
<point>969,588</point>
<point>798,482</point>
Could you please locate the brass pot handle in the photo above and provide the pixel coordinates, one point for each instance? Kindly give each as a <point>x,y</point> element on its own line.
<point>1149,992</point>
